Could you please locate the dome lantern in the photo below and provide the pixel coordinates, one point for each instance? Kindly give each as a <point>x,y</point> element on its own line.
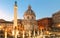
<point>29,7</point>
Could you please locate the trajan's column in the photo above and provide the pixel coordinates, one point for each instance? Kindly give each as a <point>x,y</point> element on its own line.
<point>15,13</point>
<point>15,20</point>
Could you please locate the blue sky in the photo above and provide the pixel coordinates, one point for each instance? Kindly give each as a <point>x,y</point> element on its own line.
<point>42,8</point>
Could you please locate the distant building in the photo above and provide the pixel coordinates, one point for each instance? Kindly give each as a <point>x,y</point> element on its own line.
<point>56,21</point>
<point>45,22</point>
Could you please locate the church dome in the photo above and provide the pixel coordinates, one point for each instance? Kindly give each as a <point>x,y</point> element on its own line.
<point>29,14</point>
<point>29,11</point>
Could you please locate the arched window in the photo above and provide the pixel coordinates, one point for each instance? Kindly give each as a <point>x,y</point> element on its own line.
<point>32,18</point>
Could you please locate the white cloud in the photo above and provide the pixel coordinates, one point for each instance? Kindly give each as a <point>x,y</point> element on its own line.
<point>5,16</point>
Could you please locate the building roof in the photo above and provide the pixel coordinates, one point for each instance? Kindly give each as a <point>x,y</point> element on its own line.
<point>57,13</point>
<point>2,20</point>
